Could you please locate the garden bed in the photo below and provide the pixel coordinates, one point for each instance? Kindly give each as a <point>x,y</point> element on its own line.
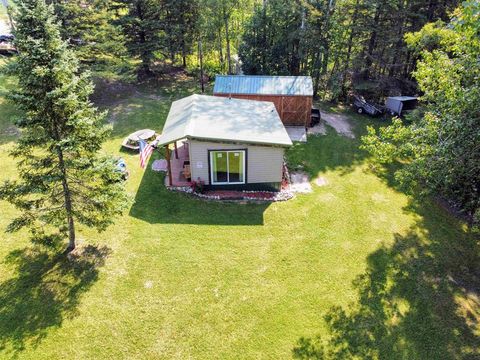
<point>231,195</point>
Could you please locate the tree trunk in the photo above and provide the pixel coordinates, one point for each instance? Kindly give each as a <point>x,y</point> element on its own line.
<point>316,79</point>
<point>397,57</point>
<point>66,194</point>
<point>227,38</point>
<point>184,54</point>
<point>68,202</point>
<point>220,48</point>
<point>326,55</point>
<point>71,223</point>
<point>263,65</point>
<point>406,65</point>
<point>372,42</point>
<point>349,49</point>
<point>326,41</point>
<point>145,68</point>
<point>200,55</point>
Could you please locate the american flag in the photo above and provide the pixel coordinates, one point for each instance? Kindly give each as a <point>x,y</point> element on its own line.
<point>145,152</point>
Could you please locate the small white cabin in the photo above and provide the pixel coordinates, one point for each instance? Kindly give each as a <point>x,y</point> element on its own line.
<point>225,143</point>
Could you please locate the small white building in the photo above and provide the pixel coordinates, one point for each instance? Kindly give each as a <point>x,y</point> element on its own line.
<point>226,143</point>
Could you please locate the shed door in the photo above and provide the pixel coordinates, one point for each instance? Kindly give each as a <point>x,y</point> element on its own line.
<point>294,110</point>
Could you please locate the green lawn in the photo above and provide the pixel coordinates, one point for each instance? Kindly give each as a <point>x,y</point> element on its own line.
<point>183,278</point>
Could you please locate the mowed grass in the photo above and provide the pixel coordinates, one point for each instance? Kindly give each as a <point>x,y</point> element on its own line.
<point>179,278</point>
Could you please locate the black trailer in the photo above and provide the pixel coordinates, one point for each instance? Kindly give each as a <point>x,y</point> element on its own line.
<point>362,106</point>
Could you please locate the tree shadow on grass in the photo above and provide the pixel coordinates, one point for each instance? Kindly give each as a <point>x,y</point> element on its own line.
<point>334,151</point>
<point>45,289</point>
<point>8,131</point>
<point>418,299</point>
<point>133,107</point>
<point>326,152</point>
<point>155,204</point>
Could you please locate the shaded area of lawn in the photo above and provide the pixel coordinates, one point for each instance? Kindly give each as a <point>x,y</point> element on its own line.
<point>418,299</point>
<point>155,204</point>
<point>8,131</point>
<point>333,151</point>
<point>45,290</point>
<point>323,153</point>
<point>138,106</point>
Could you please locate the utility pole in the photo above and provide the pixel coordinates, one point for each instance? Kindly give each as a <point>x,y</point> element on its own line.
<point>200,55</point>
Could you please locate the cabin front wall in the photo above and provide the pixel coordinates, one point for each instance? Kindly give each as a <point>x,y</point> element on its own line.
<point>293,110</point>
<point>264,165</point>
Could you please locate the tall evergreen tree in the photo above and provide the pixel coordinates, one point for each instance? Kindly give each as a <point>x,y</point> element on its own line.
<point>88,27</point>
<point>271,41</point>
<point>141,21</point>
<point>181,27</point>
<point>62,177</point>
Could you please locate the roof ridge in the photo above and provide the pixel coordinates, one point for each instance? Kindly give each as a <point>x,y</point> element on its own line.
<point>190,126</point>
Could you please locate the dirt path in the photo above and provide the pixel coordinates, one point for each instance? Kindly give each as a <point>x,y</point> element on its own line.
<point>340,123</point>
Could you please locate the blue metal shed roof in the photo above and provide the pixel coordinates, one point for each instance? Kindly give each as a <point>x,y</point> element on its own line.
<point>263,85</point>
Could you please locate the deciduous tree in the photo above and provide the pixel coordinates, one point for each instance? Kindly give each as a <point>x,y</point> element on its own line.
<point>441,149</point>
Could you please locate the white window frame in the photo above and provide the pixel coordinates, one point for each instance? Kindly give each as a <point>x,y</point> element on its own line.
<point>212,152</point>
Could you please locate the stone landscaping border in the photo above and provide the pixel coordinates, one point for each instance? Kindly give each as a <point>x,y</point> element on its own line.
<point>282,195</point>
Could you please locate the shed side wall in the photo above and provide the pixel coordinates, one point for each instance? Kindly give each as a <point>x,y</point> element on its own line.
<point>264,163</point>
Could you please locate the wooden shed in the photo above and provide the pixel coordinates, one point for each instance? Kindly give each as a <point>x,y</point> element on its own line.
<point>292,95</point>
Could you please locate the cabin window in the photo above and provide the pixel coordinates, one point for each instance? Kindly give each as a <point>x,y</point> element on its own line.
<point>227,167</point>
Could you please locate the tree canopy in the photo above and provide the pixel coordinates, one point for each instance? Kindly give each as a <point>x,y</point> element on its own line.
<point>440,150</point>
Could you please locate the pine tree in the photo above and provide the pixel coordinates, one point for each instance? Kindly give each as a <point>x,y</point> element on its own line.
<point>88,26</point>
<point>141,24</point>
<point>62,177</point>
<point>181,27</point>
<point>271,41</point>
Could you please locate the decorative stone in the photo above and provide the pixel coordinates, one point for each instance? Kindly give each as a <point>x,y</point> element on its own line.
<point>321,181</point>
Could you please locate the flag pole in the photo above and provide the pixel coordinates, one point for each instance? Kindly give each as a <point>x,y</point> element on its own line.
<point>167,155</point>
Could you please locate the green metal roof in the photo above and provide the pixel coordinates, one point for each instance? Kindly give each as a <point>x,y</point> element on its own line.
<point>221,119</point>
<point>263,85</point>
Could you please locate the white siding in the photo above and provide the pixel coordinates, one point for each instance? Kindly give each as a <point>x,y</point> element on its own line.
<point>264,163</point>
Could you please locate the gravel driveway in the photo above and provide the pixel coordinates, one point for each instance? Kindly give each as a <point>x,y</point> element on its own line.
<point>340,123</point>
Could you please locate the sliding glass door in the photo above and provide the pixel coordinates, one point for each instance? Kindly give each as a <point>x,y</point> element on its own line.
<point>227,167</point>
